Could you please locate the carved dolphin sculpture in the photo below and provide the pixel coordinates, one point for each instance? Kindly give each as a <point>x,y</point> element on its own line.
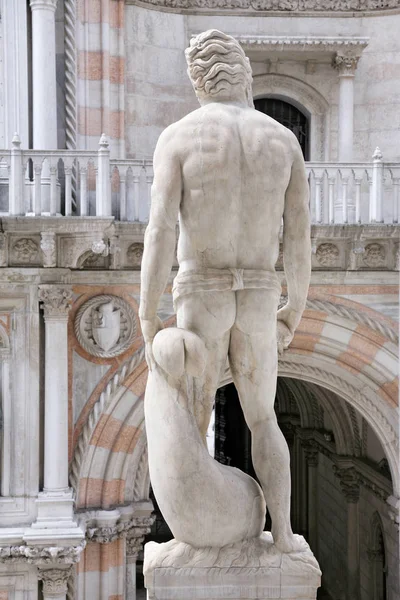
<point>203,502</point>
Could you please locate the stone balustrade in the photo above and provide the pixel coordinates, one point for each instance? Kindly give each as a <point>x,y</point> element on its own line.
<point>83,183</point>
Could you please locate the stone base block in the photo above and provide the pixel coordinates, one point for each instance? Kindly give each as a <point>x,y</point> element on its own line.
<point>250,570</point>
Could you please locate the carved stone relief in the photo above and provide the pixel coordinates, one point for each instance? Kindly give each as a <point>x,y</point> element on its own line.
<point>25,250</point>
<point>327,254</point>
<point>134,254</point>
<point>105,326</point>
<point>374,255</point>
<point>90,260</point>
<point>48,247</point>
<point>318,6</point>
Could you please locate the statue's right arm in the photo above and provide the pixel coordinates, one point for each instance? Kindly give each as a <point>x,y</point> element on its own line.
<point>160,236</point>
<point>296,241</point>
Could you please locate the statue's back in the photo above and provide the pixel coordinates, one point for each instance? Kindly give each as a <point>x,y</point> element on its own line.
<point>236,165</point>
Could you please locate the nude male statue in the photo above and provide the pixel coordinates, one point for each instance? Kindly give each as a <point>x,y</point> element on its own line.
<point>231,174</point>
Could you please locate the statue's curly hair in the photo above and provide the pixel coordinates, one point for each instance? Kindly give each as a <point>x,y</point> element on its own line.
<point>216,63</point>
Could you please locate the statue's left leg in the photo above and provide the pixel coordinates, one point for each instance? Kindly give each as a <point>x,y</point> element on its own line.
<point>210,315</point>
<point>254,361</point>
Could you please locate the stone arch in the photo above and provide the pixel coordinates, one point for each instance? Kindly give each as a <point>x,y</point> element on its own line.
<point>305,98</point>
<point>109,463</point>
<point>354,360</point>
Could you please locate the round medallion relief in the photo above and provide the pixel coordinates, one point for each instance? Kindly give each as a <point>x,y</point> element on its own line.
<point>105,326</point>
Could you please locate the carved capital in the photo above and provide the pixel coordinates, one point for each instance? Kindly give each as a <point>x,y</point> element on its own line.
<point>137,527</point>
<point>55,580</point>
<point>133,546</point>
<point>345,64</point>
<point>311,453</point>
<point>55,300</point>
<point>43,5</point>
<point>48,247</point>
<point>349,483</point>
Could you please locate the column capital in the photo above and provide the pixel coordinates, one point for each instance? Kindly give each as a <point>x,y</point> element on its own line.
<point>55,300</point>
<point>133,546</point>
<point>345,64</point>
<point>55,581</point>
<point>349,483</point>
<point>43,4</point>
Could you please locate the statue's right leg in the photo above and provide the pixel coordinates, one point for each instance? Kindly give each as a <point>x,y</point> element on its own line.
<point>210,315</point>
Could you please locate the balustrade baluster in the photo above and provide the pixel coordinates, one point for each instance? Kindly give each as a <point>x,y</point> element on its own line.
<point>53,190</point>
<point>396,198</point>
<point>331,200</point>
<point>37,208</point>
<point>122,195</point>
<point>377,188</point>
<point>83,191</point>
<point>16,178</point>
<point>103,189</point>
<point>345,182</point>
<point>358,181</point>
<point>318,207</point>
<point>136,196</point>
<point>68,190</point>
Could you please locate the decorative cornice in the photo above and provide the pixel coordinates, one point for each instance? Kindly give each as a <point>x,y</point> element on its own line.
<point>328,44</point>
<point>286,7</point>
<point>42,555</point>
<point>55,300</point>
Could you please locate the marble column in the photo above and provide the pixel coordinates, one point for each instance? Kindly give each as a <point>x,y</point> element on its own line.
<point>350,487</point>
<point>311,454</point>
<point>56,302</point>
<point>55,504</point>
<point>55,583</point>
<point>133,546</point>
<point>346,67</point>
<point>44,74</point>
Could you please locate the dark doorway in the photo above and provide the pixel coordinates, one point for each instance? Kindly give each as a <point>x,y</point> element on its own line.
<point>289,116</point>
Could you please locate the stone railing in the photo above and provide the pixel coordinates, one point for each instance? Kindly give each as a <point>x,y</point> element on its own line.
<point>86,183</point>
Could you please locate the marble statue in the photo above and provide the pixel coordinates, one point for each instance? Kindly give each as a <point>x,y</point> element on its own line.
<point>230,174</point>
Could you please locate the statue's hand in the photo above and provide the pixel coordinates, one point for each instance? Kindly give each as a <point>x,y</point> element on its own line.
<point>284,336</point>
<point>150,328</point>
<point>287,322</point>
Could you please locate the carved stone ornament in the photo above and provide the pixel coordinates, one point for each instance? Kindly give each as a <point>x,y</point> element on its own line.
<point>349,483</point>
<point>327,254</point>
<point>55,580</point>
<point>277,5</point>
<point>90,260</point>
<point>55,300</point>
<point>42,555</point>
<point>135,528</point>
<point>48,247</point>
<point>133,546</point>
<point>374,255</point>
<point>134,254</point>
<point>105,326</point>
<point>25,250</point>
<point>3,250</point>
<point>397,257</point>
<point>345,64</point>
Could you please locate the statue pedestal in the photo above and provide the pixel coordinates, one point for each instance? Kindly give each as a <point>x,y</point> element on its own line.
<point>250,570</point>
